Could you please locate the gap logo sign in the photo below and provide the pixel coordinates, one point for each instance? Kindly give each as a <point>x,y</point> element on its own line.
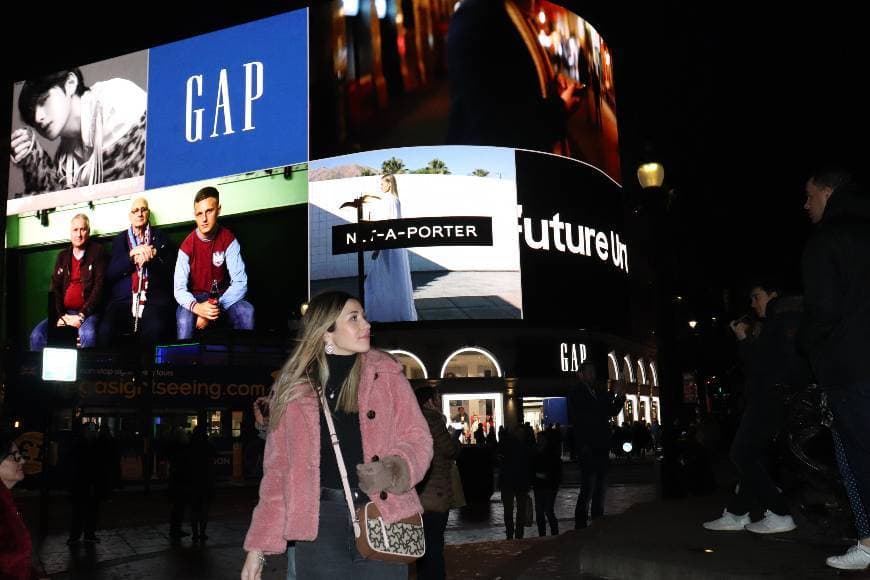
<point>228,102</point>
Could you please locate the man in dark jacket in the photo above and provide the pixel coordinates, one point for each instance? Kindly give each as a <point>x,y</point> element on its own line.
<point>77,285</point>
<point>770,360</point>
<point>140,269</point>
<point>436,489</point>
<point>836,327</point>
<point>591,406</point>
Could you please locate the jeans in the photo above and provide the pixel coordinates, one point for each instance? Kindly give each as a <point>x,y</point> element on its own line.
<point>240,316</point>
<point>851,409</point>
<point>87,332</point>
<point>431,565</point>
<point>333,554</point>
<point>760,423</point>
<point>593,484</point>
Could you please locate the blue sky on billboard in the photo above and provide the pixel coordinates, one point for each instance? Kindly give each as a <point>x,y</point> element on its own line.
<point>228,102</point>
<point>460,160</point>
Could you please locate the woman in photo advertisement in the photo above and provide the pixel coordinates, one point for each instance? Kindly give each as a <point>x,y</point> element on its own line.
<point>384,439</point>
<point>389,293</point>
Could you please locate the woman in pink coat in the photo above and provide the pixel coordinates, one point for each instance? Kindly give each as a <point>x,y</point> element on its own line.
<point>384,439</point>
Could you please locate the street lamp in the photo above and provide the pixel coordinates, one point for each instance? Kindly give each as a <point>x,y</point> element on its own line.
<point>651,174</point>
<point>657,199</point>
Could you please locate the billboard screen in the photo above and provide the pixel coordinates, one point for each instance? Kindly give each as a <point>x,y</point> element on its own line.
<point>525,75</point>
<point>438,231</point>
<point>451,171</point>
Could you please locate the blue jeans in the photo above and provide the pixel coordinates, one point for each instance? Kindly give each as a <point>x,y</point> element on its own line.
<point>240,316</point>
<point>333,554</point>
<point>87,332</point>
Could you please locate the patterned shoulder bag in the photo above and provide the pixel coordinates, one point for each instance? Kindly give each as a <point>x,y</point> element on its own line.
<point>398,542</point>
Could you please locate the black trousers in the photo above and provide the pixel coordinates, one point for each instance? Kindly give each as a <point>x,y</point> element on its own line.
<point>85,511</point>
<point>509,498</point>
<point>851,409</point>
<point>594,463</point>
<point>156,323</point>
<point>545,511</point>
<point>761,421</point>
<point>431,565</point>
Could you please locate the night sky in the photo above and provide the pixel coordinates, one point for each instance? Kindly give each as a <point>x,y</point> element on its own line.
<point>739,101</point>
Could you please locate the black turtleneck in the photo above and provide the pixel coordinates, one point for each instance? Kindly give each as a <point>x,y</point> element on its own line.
<point>346,427</point>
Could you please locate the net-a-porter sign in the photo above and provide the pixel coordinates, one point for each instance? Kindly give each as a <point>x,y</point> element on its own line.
<point>412,233</point>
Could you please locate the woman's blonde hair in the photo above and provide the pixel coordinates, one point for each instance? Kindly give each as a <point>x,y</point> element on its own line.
<point>394,187</point>
<point>307,367</point>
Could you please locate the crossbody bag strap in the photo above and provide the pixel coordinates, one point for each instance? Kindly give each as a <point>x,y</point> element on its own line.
<point>338,456</point>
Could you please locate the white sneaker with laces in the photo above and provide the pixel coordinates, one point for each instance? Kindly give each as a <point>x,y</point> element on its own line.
<point>772,524</point>
<point>728,522</point>
<point>856,557</point>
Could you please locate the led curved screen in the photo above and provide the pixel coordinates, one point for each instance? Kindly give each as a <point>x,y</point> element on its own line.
<point>460,232</point>
<point>527,75</point>
<point>478,219</point>
<point>475,72</point>
<point>218,104</point>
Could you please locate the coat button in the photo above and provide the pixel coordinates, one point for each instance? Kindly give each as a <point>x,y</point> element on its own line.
<point>375,458</point>
<point>384,495</point>
<point>370,414</point>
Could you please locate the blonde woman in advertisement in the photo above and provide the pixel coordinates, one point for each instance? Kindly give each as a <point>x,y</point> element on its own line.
<point>384,439</point>
<point>389,293</point>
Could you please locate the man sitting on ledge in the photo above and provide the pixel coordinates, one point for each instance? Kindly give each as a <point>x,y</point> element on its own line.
<point>77,284</point>
<point>210,257</point>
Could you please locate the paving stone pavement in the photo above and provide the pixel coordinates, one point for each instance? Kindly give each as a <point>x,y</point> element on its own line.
<point>135,541</point>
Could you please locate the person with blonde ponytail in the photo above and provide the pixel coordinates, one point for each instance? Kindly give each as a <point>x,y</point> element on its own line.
<point>384,440</point>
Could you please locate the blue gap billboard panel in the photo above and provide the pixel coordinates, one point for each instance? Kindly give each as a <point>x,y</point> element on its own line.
<point>228,102</point>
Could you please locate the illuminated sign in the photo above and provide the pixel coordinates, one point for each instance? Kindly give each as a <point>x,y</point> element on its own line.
<point>571,356</point>
<point>413,233</point>
<point>228,102</point>
<point>555,234</point>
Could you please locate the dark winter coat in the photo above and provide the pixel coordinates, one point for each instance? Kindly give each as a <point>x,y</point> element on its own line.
<point>836,273</point>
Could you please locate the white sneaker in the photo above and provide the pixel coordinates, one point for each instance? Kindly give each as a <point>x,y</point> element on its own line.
<point>772,524</point>
<point>728,522</point>
<point>856,558</point>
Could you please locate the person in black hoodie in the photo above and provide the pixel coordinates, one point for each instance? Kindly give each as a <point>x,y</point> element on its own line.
<point>770,359</point>
<point>836,328</point>
<point>591,406</point>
